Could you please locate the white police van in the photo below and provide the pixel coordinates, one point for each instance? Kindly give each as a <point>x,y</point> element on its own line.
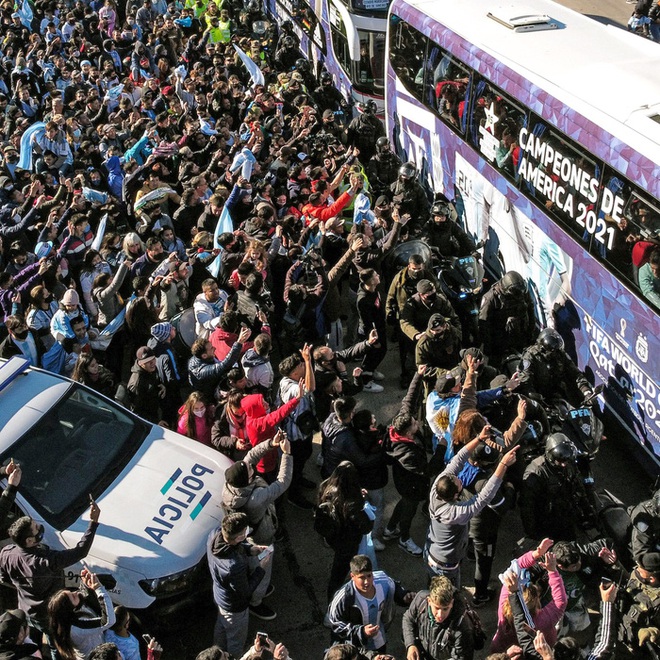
<point>159,492</point>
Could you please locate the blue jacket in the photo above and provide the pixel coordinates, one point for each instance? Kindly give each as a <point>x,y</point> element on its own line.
<point>205,375</point>
<point>233,584</point>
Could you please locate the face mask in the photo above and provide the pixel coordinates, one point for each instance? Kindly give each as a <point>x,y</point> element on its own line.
<point>12,159</point>
<point>415,274</point>
<point>77,133</point>
<point>49,299</point>
<point>199,413</point>
<point>21,336</point>
<point>40,534</point>
<point>430,298</point>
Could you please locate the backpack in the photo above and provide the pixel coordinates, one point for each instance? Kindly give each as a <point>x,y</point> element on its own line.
<point>326,521</point>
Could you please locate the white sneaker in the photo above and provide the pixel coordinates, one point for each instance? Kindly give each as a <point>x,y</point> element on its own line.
<point>374,387</point>
<point>389,534</point>
<point>410,547</point>
<point>379,546</point>
<point>378,375</point>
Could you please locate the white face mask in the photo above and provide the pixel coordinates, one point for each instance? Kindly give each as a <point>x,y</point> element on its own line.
<point>199,413</point>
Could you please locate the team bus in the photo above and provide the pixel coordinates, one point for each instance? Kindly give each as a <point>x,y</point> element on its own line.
<point>543,127</point>
<point>346,37</point>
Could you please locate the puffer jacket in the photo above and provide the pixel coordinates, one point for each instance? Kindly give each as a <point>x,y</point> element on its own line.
<point>205,375</point>
<point>257,499</point>
<point>262,425</point>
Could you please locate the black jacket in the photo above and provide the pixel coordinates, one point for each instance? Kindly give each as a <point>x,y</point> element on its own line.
<point>451,639</point>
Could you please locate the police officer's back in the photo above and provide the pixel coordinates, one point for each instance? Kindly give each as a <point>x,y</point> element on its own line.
<point>548,372</point>
<point>553,502</point>
<point>409,196</point>
<point>383,168</point>
<point>645,519</point>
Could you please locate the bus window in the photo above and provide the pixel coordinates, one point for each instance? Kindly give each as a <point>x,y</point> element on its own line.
<point>447,87</point>
<point>495,126</point>
<point>340,40</point>
<point>408,56</point>
<point>631,228</point>
<point>562,178</point>
<point>371,66</point>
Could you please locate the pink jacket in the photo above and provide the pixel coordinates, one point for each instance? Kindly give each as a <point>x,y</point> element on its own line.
<point>545,619</point>
<point>202,426</point>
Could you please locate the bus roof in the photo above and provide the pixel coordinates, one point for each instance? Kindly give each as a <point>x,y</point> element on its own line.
<point>587,65</point>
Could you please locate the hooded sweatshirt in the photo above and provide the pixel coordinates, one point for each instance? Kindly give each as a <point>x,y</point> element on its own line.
<point>261,426</point>
<point>233,584</point>
<point>258,369</point>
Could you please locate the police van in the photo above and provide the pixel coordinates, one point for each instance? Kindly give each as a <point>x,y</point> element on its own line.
<point>159,492</point>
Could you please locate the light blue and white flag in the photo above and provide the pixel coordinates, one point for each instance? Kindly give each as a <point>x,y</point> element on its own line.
<point>253,68</point>
<point>362,210</point>
<point>225,225</point>
<point>26,14</point>
<point>25,160</point>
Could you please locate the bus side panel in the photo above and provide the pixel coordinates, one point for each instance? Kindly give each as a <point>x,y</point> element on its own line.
<point>615,335</point>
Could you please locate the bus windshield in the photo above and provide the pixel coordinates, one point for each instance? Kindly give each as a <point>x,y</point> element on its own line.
<point>78,447</point>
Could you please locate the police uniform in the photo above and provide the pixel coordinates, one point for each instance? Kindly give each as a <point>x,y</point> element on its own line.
<point>645,527</point>
<point>382,170</point>
<point>411,199</point>
<point>639,606</point>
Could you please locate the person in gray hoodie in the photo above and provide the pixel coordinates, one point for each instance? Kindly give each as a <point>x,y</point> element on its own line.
<point>450,513</point>
<point>246,491</point>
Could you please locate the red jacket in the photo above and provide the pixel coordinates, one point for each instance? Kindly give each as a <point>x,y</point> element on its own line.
<point>325,212</point>
<point>261,426</point>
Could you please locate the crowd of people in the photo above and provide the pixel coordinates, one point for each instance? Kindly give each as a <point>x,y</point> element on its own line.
<point>196,225</point>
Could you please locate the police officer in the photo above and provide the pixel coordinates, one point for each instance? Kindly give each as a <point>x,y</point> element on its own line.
<point>383,168</point>
<point>646,527</point>
<point>446,235</point>
<point>640,607</point>
<point>506,320</point>
<point>402,288</point>
<point>409,196</point>
<point>553,501</point>
<point>327,96</point>
<point>437,350</point>
<point>364,131</point>
<point>547,372</point>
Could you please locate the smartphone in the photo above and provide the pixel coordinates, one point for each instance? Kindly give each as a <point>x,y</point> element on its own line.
<point>264,553</point>
<point>147,639</point>
<point>263,638</point>
<point>91,498</point>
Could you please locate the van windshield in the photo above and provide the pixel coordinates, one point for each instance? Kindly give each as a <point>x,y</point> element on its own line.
<point>78,447</point>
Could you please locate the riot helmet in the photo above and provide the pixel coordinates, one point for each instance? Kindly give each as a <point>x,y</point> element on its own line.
<point>550,341</point>
<point>302,64</point>
<point>368,108</point>
<point>325,78</point>
<point>441,209</point>
<point>513,284</point>
<point>382,145</point>
<point>407,171</point>
<point>560,450</point>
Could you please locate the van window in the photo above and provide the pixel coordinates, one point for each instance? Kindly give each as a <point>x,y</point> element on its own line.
<point>77,448</point>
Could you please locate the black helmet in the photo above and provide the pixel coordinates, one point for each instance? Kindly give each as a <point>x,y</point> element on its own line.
<point>441,208</point>
<point>325,78</point>
<point>288,42</point>
<point>560,450</point>
<point>513,284</point>
<point>550,341</point>
<point>302,64</point>
<point>382,144</point>
<point>368,108</point>
<point>408,170</point>
<point>484,455</point>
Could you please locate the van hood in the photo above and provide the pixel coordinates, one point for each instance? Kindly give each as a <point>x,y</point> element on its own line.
<point>156,516</point>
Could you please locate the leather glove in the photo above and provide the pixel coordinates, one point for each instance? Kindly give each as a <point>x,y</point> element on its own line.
<point>647,635</point>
